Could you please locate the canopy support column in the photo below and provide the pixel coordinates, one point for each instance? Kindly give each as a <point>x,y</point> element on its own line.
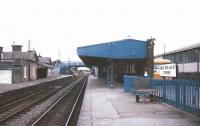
<point>111,75</point>
<point>108,75</point>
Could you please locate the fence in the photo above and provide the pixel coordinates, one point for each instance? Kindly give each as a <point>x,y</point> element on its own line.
<point>128,82</point>
<point>183,94</point>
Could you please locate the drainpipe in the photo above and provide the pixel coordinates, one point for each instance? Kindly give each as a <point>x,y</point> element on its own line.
<point>198,59</point>
<point>1,52</point>
<point>29,71</point>
<point>13,66</point>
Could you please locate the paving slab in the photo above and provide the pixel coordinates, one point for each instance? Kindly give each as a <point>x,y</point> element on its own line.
<point>103,106</point>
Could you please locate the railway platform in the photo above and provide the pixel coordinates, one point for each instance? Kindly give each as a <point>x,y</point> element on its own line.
<point>11,87</point>
<point>103,106</point>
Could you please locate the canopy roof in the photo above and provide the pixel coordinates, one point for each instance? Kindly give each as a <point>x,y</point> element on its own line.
<point>121,49</point>
<point>161,61</point>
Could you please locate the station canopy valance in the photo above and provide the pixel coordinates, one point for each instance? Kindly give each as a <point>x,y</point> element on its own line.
<point>122,49</point>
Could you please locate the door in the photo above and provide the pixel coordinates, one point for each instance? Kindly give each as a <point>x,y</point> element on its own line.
<point>5,77</point>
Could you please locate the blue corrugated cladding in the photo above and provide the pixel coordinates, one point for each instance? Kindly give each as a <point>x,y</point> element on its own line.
<point>128,48</point>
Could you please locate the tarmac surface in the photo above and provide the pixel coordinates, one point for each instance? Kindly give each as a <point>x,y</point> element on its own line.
<point>103,106</point>
<point>10,87</point>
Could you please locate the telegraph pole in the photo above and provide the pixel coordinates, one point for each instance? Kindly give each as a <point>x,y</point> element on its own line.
<point>164,48</point>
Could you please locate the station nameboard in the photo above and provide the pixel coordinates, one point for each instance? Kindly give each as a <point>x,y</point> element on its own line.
<point>168,70</point>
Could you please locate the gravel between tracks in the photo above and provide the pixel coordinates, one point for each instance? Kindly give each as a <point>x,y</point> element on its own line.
<point>36,111</point>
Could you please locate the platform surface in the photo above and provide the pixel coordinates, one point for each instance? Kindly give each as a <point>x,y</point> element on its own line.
<point>103,106</point>
<point>10,87</point>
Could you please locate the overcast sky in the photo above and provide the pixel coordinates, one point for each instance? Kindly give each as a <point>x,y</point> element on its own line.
<point>64,25</point>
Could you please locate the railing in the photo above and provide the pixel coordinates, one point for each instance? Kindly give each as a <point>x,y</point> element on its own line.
<point>128,82</point>
<point>183,94</point>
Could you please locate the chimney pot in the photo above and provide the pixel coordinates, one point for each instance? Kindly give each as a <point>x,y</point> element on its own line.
<point>1,49</point>
<point>16,48</point>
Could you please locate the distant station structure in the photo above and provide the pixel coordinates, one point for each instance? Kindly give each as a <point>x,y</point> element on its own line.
<point>65,67</point>
<point>117,58</point>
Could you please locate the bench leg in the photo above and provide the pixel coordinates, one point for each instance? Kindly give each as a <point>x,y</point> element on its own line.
<point>137,98</point>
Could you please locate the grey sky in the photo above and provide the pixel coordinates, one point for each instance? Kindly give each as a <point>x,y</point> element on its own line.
<point>54,25</point>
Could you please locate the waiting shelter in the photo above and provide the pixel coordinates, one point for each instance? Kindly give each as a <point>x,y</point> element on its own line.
<point>117,58</point>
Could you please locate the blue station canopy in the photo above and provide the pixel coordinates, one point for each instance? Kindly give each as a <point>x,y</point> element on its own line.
<point>122,49</point>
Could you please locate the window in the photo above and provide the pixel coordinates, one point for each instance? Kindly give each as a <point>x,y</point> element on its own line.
<point>34,74</point>
<point>183,57</point>
<point>25,72</point>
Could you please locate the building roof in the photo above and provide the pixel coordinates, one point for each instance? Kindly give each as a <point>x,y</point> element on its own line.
<point>20,55</point>
<point>121,49</point>
<point>46,60</point>
<point>189,47</point>
<point>45,65</point>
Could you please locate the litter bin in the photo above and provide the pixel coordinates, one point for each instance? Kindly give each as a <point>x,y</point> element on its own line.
<point>137,98</point>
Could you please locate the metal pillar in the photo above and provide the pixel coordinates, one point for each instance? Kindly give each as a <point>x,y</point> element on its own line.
<point>111,75</point>
<point>108,74</point>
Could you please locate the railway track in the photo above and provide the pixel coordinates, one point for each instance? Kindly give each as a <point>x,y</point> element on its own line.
<point>65,111</point>
<point>12,110</point>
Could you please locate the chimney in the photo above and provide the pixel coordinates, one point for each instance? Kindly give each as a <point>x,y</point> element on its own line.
<point>16,48</point>
<point>1,53</point>
<point>150,56</point>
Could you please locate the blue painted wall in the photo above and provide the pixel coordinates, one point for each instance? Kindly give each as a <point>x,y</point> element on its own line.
<point>122,49</point>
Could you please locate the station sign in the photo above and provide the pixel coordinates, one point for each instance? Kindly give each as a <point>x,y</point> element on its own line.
<point>167,70</point>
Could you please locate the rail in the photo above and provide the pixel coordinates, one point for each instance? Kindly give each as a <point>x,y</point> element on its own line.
<point>10,110</point>
<point>62,110</point>
<point>76,103</point>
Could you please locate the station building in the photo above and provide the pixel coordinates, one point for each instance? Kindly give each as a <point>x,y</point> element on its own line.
<point>187,60</point>
<point>118,58</point>
<point>17,66</point>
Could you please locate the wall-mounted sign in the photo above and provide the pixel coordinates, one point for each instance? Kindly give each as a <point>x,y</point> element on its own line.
<point>168,70</point>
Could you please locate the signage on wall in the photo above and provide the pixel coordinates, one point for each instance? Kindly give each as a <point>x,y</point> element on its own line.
<point>168,70</point>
